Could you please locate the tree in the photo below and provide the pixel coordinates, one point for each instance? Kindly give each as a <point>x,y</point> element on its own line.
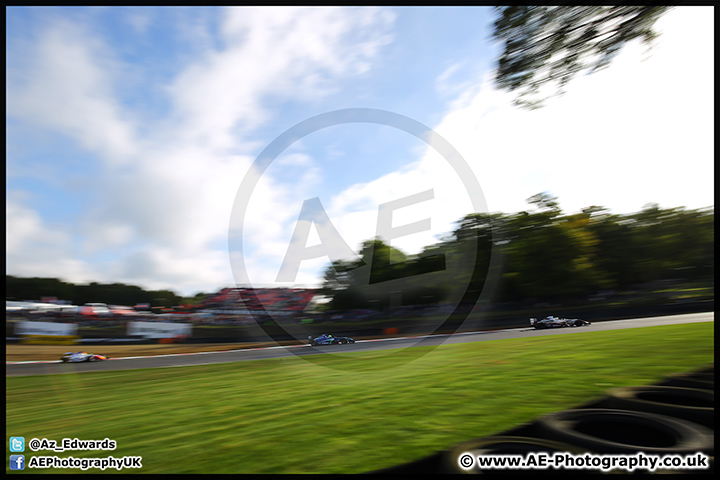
<point>539,256</point>
<point>339,276</point>
<point>486,227</point>
<point>18,288</point>
<point>617,250</point>
<point>682,242</point>
<point>382,271</point>
<point>544,256</point>
<point>549,45</point>
<point>551,256</point>
<point>545,201</point>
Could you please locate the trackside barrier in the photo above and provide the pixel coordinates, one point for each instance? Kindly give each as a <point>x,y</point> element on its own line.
<point>606,430</point>
<point>702,380</point>
<point>632,424</point>
<point>49,339</point>
<point>694,404</point>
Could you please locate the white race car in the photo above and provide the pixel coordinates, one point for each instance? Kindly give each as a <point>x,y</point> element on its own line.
<point>556,322</point>
<point>76,357</point>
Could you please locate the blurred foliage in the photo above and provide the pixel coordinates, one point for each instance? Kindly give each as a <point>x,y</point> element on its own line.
<point>381,270</point>
<point>549,45</point>
<point>21,289</point>
<point>546,256</point>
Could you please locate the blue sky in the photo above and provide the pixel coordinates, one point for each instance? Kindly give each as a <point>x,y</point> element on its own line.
<point>130,131</point>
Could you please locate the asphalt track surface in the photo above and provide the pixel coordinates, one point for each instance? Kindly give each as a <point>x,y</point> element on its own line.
<point>240,355</point>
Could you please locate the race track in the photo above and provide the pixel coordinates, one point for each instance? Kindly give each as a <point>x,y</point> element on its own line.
<point>191,359</point>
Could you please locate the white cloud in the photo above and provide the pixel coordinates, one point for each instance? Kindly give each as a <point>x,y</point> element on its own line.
<point>35,247</point>
<point>67,85</point>
<point>356,208</point>
<point>616,138</point>
<point>273,213</point>
<point>159,209</point>
<point>286,53</point>
<point>139,19</point>
<point>622,137</point>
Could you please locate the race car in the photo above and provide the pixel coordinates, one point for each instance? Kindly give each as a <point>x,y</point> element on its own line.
<point>326,339</point>
<point>76,357</point>
<point>556,322</point>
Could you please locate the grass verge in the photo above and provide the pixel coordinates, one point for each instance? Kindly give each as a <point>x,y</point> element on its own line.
<point>292,416</point>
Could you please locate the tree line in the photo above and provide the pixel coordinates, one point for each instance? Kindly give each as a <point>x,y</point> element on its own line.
<point>540,255</point>
<point>35,288</point>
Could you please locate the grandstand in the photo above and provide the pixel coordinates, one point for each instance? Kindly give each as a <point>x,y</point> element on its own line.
<point>257,299</point>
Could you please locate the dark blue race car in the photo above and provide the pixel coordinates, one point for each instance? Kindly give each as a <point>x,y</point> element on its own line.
<point>326,339</point>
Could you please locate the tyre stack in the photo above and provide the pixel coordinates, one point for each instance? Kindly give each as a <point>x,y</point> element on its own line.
<point>673,417</point>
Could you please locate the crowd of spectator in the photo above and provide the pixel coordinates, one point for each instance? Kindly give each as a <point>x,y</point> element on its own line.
<point>231,306</point>
<point>269,299</point>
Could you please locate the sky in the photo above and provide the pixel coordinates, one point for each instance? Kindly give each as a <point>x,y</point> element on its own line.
<point>194,148</point>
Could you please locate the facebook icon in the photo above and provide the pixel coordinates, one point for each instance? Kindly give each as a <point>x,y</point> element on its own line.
<point>17,462</point>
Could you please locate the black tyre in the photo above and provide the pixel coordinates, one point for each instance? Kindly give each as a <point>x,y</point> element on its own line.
<point>705,381</point>
<point>625,431</point>
<point>695,405</point>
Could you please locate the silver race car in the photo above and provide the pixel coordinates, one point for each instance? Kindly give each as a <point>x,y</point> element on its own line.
<point>557,322</point>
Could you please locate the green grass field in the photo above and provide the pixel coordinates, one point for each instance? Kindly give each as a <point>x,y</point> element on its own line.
<point>293,416</point>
